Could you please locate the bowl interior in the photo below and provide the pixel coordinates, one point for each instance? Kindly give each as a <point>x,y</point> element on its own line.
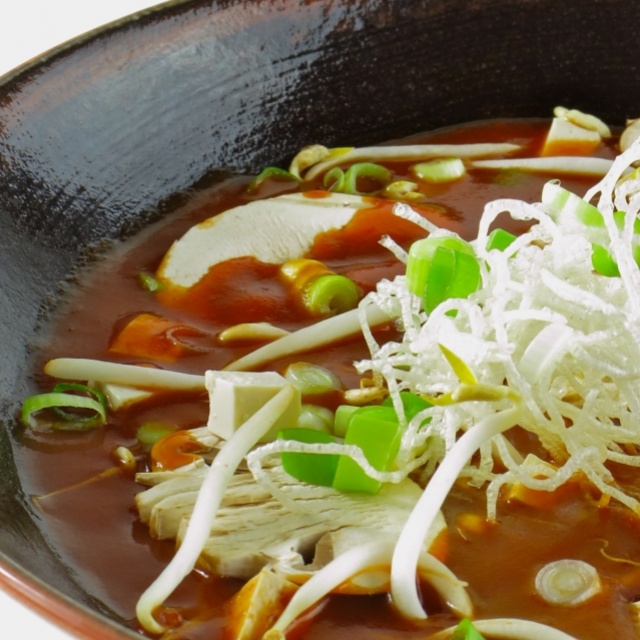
<point>110,132</point>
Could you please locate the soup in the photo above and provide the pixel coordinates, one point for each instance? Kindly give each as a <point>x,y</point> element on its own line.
<point>489,492</point>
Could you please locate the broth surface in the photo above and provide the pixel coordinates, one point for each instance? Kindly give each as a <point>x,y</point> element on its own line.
<point>87,506</point>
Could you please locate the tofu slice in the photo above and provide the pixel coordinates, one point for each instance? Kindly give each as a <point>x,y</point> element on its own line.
<point>567,138</point>
<point>273,230</point>
<point>234,396</point>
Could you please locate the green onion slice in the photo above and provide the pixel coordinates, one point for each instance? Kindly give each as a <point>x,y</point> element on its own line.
<point>421,255</point>
<point>442,268</point>
<point>149,433</point>
<point>316,417</point>
<point>312,379</point>
<point>341,419</point>
<point>350,181</point>
<point>376,430</point>
<point>466,631</point>
<point>379,175</point>
<point>61,402</point>
<point>562,201</point>
<point>440,170</point>
<point>270,173</point>
<point>331,294</point>
<point>313,468</point>
<point>452,275</point>
<point>150,283</point>
<point>499,239</point>
<point>603,262</point>
<point>334,180</point>
<point>411,403</point>
<point>81,390</point>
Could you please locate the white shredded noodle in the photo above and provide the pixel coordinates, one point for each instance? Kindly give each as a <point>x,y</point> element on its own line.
<point>581,395</point>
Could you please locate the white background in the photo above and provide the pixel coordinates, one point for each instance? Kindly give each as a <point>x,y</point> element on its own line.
<point>30,27</point>
<point>27,29</point>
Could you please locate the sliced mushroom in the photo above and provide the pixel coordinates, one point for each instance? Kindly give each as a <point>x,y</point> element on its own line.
<point>336,543</point>
<point>253,529</point>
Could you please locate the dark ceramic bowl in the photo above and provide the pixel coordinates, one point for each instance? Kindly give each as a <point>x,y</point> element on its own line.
<point>98,137</point>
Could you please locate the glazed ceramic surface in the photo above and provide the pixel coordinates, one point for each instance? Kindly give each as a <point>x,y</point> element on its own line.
<point>104,135</point>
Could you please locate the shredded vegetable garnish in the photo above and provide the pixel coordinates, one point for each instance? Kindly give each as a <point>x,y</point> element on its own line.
<point>538,295</point>
<point>580,397</point>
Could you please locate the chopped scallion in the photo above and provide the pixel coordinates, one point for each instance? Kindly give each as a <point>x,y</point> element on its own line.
<point>313,468</point>
<point>331,294</point>
<point>376,430</point>
<point>421,254</point>
<point>334,180</point>
<point>452,275</point>
<point>341,419</point>
<point>316,417</point>
<point>440,170</point>
<point>351,181</point>
<point>442,268</point>
<point>149,433</point>
<point>466,631</point>
<point>270,173</point>
<point>499,239</point>
<point>411,403</point>
<point>312,379</point>
<point>150,283</point>
<point>76,412</point>
<point>603,262</point>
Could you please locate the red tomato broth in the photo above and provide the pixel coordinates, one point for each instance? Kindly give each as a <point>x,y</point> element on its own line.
<point>101,513</point>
